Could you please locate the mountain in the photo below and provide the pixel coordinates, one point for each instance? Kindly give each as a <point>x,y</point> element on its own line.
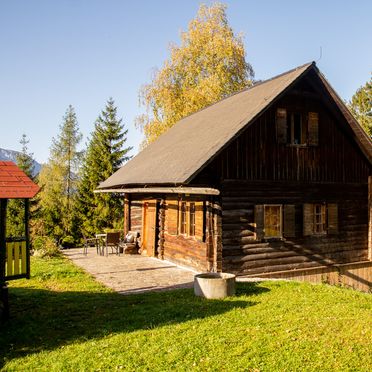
<point>11,155</point>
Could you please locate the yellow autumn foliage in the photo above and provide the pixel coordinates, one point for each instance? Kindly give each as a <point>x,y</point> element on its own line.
<point>208,66</point>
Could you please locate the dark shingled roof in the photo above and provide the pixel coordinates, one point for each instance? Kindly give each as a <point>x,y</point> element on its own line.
<point>14,183</point>
<point>177,155</point>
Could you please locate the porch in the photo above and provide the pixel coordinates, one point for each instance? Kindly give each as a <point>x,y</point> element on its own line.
<point>128,274</point>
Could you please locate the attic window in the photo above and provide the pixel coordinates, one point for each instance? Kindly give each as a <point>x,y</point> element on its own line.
<point>297,127</point>
<point>296,132</point>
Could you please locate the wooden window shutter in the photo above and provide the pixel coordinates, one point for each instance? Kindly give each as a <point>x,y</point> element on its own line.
<point>308,222</point>
<point>259,221</point>
<point>289,221</point>
<point>313,128</point>
<point>171,218</point>
<point>199,220</point>
<point>332,218</point>
<point>281,125</point>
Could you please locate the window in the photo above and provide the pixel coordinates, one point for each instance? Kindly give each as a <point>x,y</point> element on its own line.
<point>192,220</point>
<point>297,127</point>
<point>319,218</point>
<point>273,221</point>
<point>295,130</point>
<point>183,221</point>
<point>186,218</point>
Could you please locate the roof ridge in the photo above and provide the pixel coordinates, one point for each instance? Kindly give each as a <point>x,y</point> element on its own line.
<point>250,87</point>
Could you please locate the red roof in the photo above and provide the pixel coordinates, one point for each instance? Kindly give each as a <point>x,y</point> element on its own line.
<point>14,183</point>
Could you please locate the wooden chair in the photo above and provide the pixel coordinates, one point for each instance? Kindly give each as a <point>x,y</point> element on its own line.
<point>89,242</point>
<point>130,243</point>
<point>113,241</point>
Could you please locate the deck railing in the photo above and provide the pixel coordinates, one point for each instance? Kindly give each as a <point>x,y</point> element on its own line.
<point>16,259</point>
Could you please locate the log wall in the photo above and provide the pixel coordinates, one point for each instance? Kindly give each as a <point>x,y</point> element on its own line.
<point>182,249</point>
<point>244,253</point>
<point>256,154</point>
<point>355,275</point>
<point>136,215</point>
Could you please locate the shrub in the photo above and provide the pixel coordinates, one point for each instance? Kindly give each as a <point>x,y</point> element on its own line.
<point>44,246</point>
<point>68,242</point>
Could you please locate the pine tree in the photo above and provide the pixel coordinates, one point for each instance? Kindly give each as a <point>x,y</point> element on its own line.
<point>106,152</point>
<point>16,207</point>
<point>59,179</point>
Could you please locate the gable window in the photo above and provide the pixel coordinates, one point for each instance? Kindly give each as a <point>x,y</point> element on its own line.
<point>297,127</point>
<point>273,221</point>
<point>295,131</point>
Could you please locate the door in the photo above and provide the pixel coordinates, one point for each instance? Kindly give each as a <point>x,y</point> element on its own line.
<point>149,228</point>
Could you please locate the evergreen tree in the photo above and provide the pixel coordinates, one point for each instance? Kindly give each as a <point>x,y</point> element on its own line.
<point>106,152</point>
<point>16,207</point>
<point>59,179</point>
<point>361,106</point>
<point>208,66</point>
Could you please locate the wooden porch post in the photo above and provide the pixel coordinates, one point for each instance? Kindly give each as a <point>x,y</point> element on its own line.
<point>214,235</point>
<point>3,285</point>
<point>370,218</point>
<point>126,214</point>
<point>161,229</point>
<point>218,235</point>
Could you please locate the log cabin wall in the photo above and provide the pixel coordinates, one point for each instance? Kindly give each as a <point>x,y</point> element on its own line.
<point>136,215</point>
<point>192,251</point>
<point>244,252</point>
<point>255,170</point>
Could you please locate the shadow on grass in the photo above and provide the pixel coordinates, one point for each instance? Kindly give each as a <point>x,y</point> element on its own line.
<point>45,320</point>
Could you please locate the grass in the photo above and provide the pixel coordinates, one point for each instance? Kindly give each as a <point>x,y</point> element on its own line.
<point>61,319</point>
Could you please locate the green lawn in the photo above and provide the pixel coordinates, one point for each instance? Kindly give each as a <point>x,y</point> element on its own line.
<point>62,319</point>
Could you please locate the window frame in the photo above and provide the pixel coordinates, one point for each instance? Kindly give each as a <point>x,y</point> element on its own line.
<point>192,219</point>
<point>182,227</point>
<point>323,219</point>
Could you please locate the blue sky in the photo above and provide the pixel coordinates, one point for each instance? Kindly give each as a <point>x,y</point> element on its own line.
<point>59,52</point>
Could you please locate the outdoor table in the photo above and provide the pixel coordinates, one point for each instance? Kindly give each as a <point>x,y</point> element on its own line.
<point>101,244</point>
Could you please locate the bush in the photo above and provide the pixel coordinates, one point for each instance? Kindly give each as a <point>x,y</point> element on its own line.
<point>44,246</point>
<point>68,242</point>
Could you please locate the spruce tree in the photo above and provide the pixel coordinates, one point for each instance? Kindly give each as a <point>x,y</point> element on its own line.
<point>106,153</point>
<point>59,179</point>
<point>16,207</point>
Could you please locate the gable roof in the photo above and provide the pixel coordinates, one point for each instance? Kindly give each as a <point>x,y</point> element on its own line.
<point>14,183</point>
<point>177,155</point>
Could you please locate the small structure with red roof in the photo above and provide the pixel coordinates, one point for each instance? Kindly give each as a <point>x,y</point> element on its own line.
<point>15,252</point>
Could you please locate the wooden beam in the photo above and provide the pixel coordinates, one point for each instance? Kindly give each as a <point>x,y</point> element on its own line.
<point>163,190</point>
<point>3,286</point>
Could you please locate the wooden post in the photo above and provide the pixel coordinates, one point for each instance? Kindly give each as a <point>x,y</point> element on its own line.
<point>126,214</point>
<point>161,229</point>
<point>209,235</point>
<point>27,234</point>
<point>213,235</point>
<point>3,285</point>
<point>217,236</point>
<point>370,218</point>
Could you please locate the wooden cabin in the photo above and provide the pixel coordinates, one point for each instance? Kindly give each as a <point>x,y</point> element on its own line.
<point>14,252</point>
<point>271,181</point>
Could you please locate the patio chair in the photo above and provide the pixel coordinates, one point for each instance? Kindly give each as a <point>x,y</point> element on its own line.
<point>130,243</point>
<point>113,241</point>
<point>89,242</point>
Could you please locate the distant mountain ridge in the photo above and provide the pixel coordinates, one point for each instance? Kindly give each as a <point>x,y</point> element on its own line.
<point>11,155</point>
